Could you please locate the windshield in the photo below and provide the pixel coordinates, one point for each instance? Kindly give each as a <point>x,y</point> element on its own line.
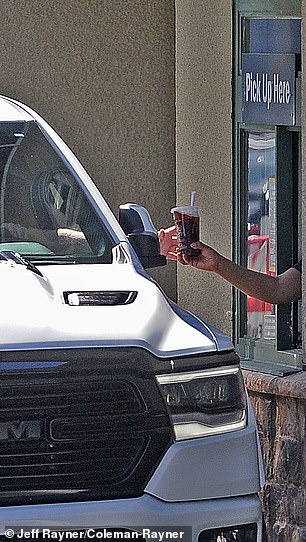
<point>44,214</point>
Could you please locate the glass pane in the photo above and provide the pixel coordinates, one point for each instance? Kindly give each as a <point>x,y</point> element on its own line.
<point>261,218</point>
<point>272,36</point>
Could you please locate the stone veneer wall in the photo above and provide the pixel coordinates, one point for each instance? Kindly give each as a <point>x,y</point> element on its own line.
<point>280,409</point>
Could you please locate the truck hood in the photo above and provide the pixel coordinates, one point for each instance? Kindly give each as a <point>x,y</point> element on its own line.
<point>96,305</point>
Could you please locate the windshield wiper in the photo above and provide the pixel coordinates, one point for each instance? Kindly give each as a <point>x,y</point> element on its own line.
<point>14,257</point>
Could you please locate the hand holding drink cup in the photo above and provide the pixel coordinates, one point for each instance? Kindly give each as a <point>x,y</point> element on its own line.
<point>181,241</point>
<point>206,258</point>
<point>175,241</point>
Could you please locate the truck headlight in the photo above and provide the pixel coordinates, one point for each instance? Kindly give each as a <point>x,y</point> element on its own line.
<point>205,402</point>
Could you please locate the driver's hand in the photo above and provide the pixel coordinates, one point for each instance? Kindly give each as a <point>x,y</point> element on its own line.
<point>168,243</point>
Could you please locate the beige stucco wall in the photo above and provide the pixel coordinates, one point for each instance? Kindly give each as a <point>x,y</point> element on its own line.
<point>102,73</point>
<point>204,152</point>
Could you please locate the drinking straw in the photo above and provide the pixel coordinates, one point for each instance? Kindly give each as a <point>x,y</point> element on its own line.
<point>192,198</point>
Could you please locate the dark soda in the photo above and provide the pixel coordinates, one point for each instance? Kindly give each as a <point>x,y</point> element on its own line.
<point>187,223</point>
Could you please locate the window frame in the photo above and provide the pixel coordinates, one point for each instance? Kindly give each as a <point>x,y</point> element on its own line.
<point>276,357</point>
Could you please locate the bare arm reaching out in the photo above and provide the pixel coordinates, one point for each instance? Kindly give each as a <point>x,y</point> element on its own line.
<point>283,288</point>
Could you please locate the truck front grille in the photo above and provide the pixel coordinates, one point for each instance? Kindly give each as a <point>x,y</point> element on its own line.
<point>90,433</point>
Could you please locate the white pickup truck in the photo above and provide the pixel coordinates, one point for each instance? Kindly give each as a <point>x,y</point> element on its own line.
<point>121,414</point>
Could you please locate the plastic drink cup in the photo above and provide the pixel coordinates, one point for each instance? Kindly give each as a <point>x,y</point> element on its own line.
<point>187,224</point>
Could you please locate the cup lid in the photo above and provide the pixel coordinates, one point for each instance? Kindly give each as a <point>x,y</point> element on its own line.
<point>191,210</point>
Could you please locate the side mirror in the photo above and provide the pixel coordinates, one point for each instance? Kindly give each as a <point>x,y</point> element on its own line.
<point>138,226</point>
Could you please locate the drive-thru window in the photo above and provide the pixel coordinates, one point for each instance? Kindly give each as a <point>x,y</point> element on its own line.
<point>267,176</point>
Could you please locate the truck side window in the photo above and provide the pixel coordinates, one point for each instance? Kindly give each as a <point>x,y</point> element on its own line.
<point>44,209</point>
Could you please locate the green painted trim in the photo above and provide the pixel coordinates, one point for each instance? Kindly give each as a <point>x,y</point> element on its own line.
<point>272,7</point>
<point>268,368</point>
<point>262,355</point>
